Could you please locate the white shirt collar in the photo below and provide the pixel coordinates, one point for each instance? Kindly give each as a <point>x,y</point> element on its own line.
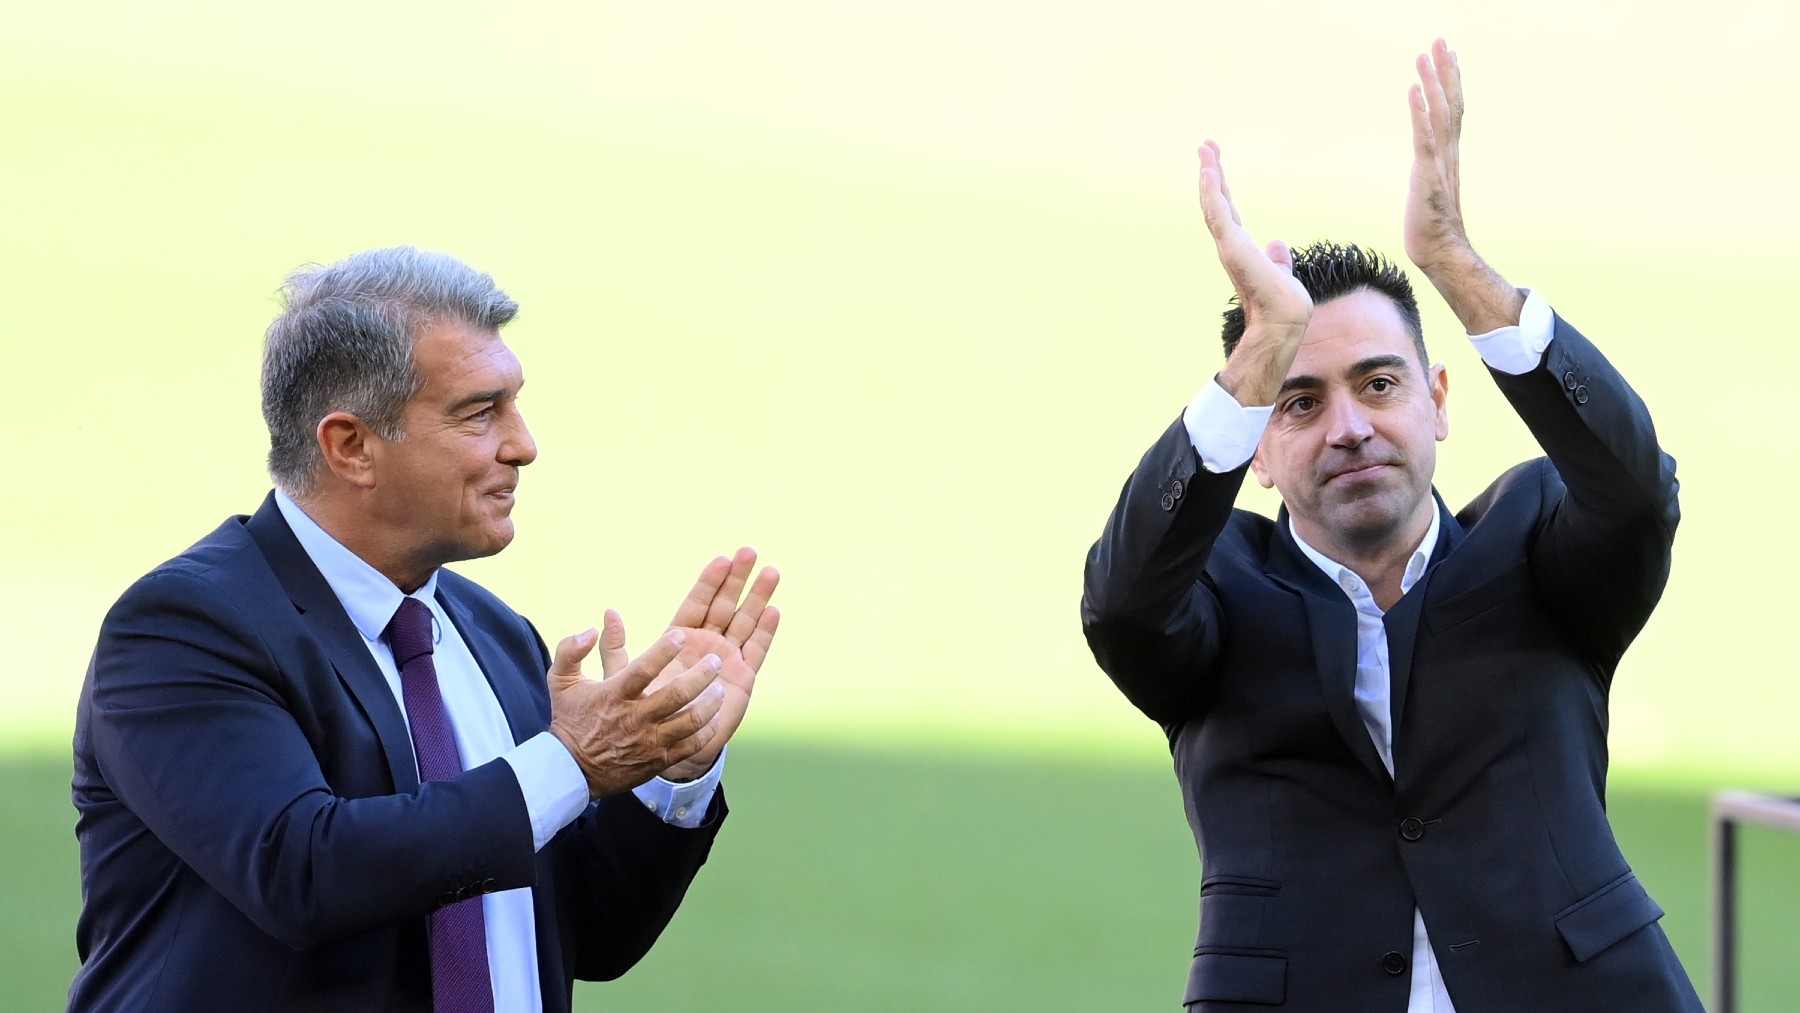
<point>370,598</point>
<point>1338,572</point>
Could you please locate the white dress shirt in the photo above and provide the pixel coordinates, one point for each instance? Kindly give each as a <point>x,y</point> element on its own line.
<point>1225,434</point>
<point>555,790</point>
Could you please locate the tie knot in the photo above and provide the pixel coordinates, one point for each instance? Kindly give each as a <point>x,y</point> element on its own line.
<point>409,632</point>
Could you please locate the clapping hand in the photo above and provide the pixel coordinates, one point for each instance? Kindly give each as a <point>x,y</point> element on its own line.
<point>1276,306</point>
<point>712,622</point>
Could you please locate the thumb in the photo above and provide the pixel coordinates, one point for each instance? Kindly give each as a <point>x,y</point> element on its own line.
<point>612,644</point>
<point>1280,255</point>
<point>565,670</point>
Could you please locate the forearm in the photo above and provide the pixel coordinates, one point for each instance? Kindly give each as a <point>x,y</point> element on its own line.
<point>1481,299</point>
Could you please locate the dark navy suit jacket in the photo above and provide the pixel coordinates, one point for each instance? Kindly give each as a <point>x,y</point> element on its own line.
<point>253,832</point>
<point>1493,825</point>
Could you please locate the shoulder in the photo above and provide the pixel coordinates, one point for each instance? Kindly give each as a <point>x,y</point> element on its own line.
<point>223,568</point>
<point>1518,493</point>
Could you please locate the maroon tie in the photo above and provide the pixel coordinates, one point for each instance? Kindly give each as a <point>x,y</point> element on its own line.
<point>459,965</point>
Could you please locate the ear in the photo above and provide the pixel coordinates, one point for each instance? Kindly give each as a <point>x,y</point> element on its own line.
<point>347,444</point>
<point>1440,396</point>
<point>1260,469</point>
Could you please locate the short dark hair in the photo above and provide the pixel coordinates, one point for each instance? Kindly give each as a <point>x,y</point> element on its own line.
<point>343,342</point>
<point>1328,270</point>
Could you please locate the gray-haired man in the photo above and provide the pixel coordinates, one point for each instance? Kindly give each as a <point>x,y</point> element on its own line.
<point>315,770</point>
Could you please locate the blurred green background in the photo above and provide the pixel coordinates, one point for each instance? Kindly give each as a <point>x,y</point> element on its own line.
<point>896,293</point>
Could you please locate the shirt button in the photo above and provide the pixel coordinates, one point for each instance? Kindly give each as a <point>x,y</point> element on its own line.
<point>1412,828</point>
<point>681,813</point>
<point>648,804</point>
<point>1393,962</point>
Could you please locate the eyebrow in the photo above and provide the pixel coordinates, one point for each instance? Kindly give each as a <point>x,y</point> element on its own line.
<point>483,396</point>
<point>1361,367</point>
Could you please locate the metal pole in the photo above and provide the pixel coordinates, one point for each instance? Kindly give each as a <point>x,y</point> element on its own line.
<point>1729,808</point>
<point>1724,913</point>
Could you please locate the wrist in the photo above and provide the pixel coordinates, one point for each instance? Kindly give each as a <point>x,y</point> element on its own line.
<point>1257,366</point>
<point>569,741</point>
<point>691,769</point>
<point>1481,299</point>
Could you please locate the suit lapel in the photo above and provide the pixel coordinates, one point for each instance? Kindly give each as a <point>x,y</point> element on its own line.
<point>515,701</point>
<point>323,617</point>
<point>1331,621</point>
<point>1402,622</point>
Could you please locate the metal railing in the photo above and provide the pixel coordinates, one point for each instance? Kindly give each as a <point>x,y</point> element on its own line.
<point>1729,808</point>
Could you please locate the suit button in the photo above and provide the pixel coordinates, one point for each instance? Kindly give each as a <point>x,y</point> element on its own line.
<point>1177,489</point>
<point>1412,828</point>
<point>487,886</point>
<point>447,898</point>
<point>1393,962</point>
<point>1168,501</point>
<point>1581,395</point>
<point>1569,381</point>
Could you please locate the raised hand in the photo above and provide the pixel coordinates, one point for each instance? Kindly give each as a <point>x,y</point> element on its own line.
<point>1276,306</point>
<point>1435,237</point>
<point>1434,222</point>
<point>620,734</point>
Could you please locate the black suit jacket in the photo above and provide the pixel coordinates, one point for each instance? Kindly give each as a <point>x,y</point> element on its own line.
<point>253,832</point>
<point>1493,825</point>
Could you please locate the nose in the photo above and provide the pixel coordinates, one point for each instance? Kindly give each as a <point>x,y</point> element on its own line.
<point>1348,425</point>
<point>518,449</point>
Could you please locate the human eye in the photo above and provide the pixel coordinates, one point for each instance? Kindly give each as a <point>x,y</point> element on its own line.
<point>1300,405</point>
<point>1383,385</point>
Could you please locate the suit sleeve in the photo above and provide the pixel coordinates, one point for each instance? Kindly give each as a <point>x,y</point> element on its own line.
<point>619,870</point>
<point>1151,618</point>
<point>190,717</point>
<point>1601,554</point>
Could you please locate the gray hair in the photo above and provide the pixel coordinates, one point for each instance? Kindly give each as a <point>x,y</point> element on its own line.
<point>344,343</point>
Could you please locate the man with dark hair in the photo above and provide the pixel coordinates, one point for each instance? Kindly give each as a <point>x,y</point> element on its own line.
<point>1388,720</point>
<point>314,770</point>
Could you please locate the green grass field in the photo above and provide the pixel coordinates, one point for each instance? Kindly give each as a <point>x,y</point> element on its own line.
<point>897,295</point>
<point>917,879</point>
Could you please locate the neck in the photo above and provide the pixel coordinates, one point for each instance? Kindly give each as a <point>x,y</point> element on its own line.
<point>1380,562</point>
<point>364,534</point>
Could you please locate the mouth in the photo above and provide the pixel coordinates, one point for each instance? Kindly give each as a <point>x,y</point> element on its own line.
<point>1357,474</point>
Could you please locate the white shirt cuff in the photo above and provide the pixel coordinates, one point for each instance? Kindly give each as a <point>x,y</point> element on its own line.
<point>682,804</point>
<point>1222,431</point>
<point>555,789</point>
<point>1519,349</point>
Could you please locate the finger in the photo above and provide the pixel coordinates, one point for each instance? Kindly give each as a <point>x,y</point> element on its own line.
<point>744,622</point>
<point>684,689</point>
<point>691,744</point>
<point>688,720</point>
<point>1436,103</point>
<point>1424,143</point>
<point>565,667</point>
<point>1210,158</point>
<point>631,680</point>
<point>724,603</point>
<point>1449,73</point>
<point>613,656</point>
<point>692,610</point>
<point>757,647</point>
